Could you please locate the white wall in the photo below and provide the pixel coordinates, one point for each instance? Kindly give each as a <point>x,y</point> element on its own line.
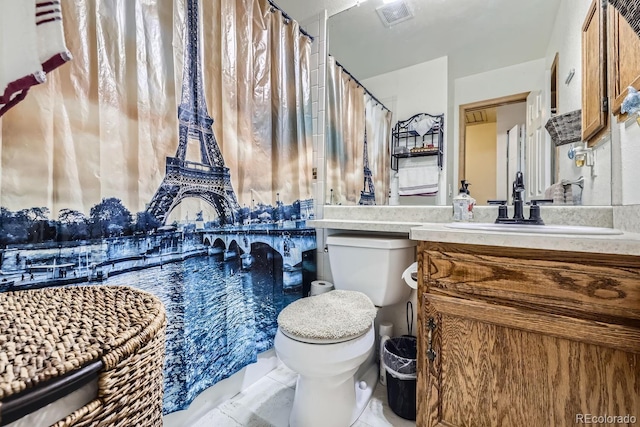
<point>421,88</point>
<point>317,27</point>
<point>597,184</point>
<point>629,167</point>
<point>525,77</point>
<point>566,40</point>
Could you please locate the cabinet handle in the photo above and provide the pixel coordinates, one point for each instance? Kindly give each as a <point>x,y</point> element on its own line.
<point>431,355</point>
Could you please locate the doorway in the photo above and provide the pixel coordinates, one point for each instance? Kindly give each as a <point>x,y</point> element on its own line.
<point>483,151</point>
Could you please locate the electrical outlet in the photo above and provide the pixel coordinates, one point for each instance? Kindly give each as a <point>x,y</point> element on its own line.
<point>314,173</point>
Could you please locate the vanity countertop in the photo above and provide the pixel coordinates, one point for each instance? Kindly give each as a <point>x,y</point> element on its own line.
<point>433,228</point>
<point>619,244</point>
<point>366,225</point>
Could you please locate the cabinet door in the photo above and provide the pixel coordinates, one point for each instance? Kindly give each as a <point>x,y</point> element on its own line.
<point>594,93</point>
<point>624,46</point>
<point>485,364</point>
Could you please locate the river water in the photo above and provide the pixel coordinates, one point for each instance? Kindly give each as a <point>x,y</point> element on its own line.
<point>219,317</point>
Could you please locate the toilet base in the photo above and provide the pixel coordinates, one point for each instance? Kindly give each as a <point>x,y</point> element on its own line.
<point>363,394</point>
<point>353,395</point>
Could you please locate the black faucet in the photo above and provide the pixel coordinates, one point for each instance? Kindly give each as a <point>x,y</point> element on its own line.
<point>518,197</point>
<point>518,206</point>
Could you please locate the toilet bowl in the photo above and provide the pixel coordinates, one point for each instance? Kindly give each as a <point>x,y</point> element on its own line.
<point>329,339</point>
<point>326,339</point>
<point>327,370</point>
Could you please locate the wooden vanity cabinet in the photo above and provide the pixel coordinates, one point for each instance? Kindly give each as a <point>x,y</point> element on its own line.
<point>518,337</point>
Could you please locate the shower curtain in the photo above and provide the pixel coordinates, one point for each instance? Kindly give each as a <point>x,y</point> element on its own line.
<point>378,122</point>
<point>353,118</point>
<point>182,171</point>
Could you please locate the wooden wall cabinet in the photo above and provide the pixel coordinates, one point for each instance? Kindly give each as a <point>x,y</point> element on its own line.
<point>624,54</point>
<point>516,337</point>
<point>610,64</point>
<point>594,71</point>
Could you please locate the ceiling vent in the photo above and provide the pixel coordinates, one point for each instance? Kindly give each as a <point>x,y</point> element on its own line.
<point>394,13</point>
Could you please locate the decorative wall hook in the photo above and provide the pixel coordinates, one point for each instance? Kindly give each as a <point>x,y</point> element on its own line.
<point>570,76</point>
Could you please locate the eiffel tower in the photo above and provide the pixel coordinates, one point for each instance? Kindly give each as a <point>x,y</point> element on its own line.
<point>368,193</point>
<point>209,179</point>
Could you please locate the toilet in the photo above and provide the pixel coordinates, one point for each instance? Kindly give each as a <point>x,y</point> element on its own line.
<point>329,339</point>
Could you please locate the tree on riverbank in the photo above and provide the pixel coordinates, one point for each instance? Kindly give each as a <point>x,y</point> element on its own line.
<point>73,225</point>
<point>110,218</point>
<point>145,222</point>
<point>26,226</point>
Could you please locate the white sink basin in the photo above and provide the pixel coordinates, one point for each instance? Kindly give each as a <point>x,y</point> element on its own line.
<point>536,229</point>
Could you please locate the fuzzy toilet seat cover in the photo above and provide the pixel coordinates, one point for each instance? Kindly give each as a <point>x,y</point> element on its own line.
<point>330,316</point>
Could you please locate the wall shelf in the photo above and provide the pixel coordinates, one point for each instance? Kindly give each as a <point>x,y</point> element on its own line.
<point>420,136</point>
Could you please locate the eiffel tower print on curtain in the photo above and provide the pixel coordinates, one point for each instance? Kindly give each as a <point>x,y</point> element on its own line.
<point>209,179</point>
<point>368,193</point>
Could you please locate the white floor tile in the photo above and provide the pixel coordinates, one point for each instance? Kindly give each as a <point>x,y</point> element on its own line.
<point>216,418</point>
<point>284,375</point>
<point>268,402</point>
<point>379,414</point>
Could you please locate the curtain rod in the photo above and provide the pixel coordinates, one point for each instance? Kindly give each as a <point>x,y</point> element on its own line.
<point>361,85</point>
<point>286,16</point>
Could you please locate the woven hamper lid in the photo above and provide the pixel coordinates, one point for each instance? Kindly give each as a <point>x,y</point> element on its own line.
<point>335,315</point>
<point>46,333</point>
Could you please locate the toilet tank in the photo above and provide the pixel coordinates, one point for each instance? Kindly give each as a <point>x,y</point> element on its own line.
<point>372,265</point>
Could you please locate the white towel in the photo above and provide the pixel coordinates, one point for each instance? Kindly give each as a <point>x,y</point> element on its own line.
<point>20,66</point>
<point>422,125</point>
<point>31,43</point>
<point>418,181</point>
<point>566,192</point>
<point>557,193</point>
<point>52,49</point>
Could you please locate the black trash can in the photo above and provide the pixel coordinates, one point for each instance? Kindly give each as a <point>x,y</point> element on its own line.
<point>399,358</point>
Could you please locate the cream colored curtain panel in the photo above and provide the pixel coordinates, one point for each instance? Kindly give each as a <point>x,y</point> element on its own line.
<point>103,124</point>
<point>262,91</point>
<point>345,137</point>
<point>350,110</point>
<point>378,121</point>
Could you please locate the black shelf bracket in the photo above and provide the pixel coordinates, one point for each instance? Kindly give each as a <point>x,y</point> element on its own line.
<point>419,136</point>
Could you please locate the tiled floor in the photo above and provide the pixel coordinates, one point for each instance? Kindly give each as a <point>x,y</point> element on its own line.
<point>267,403</point>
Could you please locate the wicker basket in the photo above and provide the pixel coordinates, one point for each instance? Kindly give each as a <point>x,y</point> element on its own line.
<point>47,333</point>
<point>565,128</point>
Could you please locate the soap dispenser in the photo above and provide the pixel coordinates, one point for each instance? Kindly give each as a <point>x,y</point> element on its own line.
<point>463,203</point>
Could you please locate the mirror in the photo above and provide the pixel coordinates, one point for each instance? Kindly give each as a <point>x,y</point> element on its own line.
<point>460,58</point>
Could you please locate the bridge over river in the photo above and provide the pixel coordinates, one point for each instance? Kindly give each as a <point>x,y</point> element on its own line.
<point>290,243</point>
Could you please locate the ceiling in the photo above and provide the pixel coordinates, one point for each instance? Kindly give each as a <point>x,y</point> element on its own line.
<point>481,116</point>
<point>476,36</point>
